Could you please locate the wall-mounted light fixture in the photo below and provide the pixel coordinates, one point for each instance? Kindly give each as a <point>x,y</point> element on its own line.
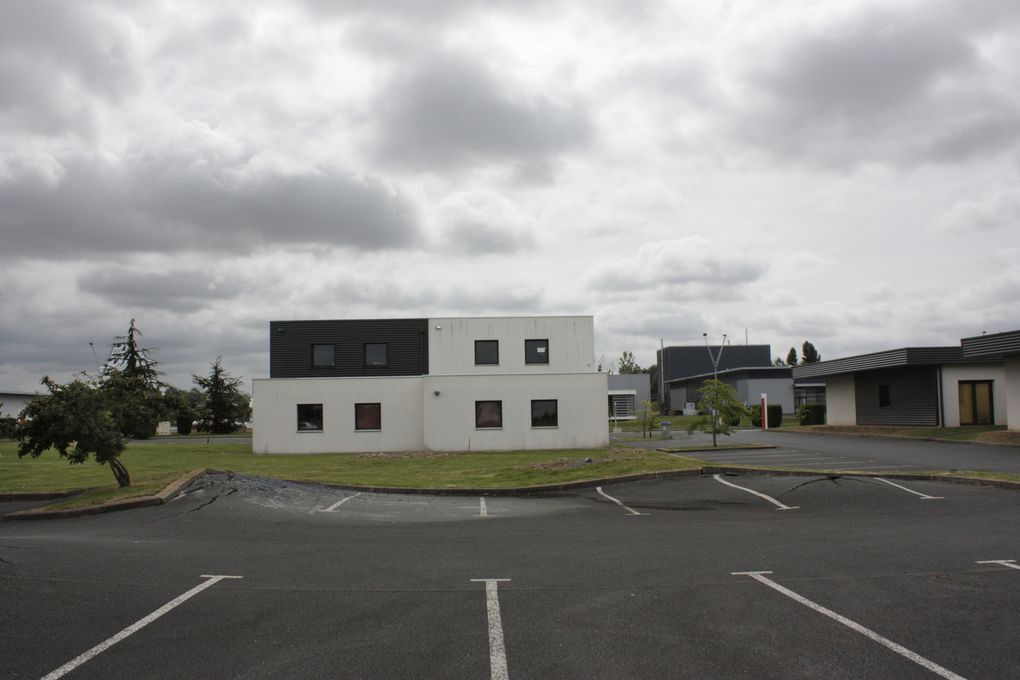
<point>436,393</point>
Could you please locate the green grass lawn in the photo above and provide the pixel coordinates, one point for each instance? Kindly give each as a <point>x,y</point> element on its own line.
<point>988,434</point>
<point>152,467</point>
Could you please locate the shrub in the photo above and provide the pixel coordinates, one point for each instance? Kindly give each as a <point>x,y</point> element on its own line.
<point>775,415</point>
<point>8,428</point>
<point>184,425</point>
<point>812,414</point>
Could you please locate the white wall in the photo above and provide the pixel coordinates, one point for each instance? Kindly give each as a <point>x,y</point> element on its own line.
<point>840,400</point>
<point>450,416</point>
<point>951,377</point>
<point>274,414</point>
<point>13,404</point>
<point>452,344</point>
<point>1012,391</point>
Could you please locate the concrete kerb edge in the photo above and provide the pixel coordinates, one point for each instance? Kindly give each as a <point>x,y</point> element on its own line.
<point>510,491</point>
<point>164,496</point>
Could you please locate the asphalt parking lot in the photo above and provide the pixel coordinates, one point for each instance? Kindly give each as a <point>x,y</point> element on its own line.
<point>698,577</point>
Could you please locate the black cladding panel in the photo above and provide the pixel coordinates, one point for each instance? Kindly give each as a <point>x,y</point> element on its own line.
<point>406,352</point>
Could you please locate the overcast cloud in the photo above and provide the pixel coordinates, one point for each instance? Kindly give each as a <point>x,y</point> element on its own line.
<point>840,172</point>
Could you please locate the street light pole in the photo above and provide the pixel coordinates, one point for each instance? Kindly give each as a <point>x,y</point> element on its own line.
<point>715,377</point>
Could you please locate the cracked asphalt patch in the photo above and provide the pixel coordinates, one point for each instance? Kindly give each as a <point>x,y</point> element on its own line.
<point>381,587</point>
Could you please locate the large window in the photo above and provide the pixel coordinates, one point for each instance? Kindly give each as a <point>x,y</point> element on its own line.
<point>976,402</point>
<point>309,417</point>
<point>486,352</point>
<point>544,413</point>
<point>536,351</point>
<point>323,355</point>
<point>488,414</point>
<point>368,416</point>
<point>376,354</point>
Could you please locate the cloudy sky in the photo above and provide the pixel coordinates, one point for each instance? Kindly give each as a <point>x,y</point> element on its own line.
<point>843,172</point>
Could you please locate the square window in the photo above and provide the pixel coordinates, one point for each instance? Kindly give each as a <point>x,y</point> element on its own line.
<point>376,354</point>
<point>883,396</point>
<point>323,355</point>
<point>544,413</point>
<point>536,351</point>
<point>488,414</point>
<point>309,417</point>
<point>368,416</point>
<point>486,352</point>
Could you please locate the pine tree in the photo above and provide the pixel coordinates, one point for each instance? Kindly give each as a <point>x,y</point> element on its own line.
<point>810,354</point>
<point>791,357</point>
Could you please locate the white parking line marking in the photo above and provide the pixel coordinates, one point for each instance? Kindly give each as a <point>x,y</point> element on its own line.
<point>1006,563</point>
<point>482,510</point>
<point>497,649</point>
<point>770,499</point>
<point>633,512</point>
<point>134,628</point>
<point>924,497</point>
<point>853,625</point>
<point>340,502</point>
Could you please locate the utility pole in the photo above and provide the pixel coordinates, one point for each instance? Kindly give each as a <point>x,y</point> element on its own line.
<point>662,377</point>
<point>715,376</point>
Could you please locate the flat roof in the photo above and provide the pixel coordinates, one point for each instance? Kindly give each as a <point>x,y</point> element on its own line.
<point>893,358</point>
<point>730,371</point>
<point>991,345</point>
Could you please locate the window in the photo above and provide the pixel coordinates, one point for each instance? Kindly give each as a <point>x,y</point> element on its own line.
<point>368,416</point>
<point>309,417</point>
<point>486,352</point>
<point>488,414</point>
<point>323,355</point>
<point>376,354</point>
<point>976,402</point>
<point>544,413</point>
<point>883,396</point>
<point>536,351</point>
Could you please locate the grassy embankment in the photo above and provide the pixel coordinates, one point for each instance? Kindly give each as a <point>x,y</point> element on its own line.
<point>154,466</point>
<point>985,434</point>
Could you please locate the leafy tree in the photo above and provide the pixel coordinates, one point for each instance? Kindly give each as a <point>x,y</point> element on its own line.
<point>720,401</point>
<point>627,365</point>
<point>647,419</point>
<point>779,362</point>
<point>74,419</point>
<point>225,404</point>
<point>183,407</point>
<point>809,354</point>
<point>132,383</point>
<point>791,356</point>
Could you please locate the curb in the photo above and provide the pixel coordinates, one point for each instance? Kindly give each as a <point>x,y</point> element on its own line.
<point>160,498</point>
<point>709,449</point>
<point>174,488</point>
<point>510,491</point>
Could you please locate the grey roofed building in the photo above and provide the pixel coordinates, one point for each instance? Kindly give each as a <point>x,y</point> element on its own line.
<point>627,394</point>
<point>976,382</point>
<point>689,361</point>
<point>749,382</point>
<point>12,403</point>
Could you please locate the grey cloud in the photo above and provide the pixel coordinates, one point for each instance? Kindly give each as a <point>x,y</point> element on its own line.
<point>693,263</point>
<point>449,112</point>
<point>177,290</point>
<point>55,58</point>
<point>886,86</point>
<point>168,205</point>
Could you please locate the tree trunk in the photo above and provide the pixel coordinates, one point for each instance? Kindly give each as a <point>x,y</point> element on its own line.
<point>120,472</point>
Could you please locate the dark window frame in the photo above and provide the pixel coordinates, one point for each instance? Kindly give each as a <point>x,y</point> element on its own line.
<point>499,404</point>
<point>332,363</point>
<point>386,348</point>
<point>543,355</point>
<point>378,405</point>
<point>486,343</point>
<point>884,396</point>
<point>555,413</point>
<point>310,418</point>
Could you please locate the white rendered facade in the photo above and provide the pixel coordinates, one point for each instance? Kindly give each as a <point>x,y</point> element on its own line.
<point>471,398</point>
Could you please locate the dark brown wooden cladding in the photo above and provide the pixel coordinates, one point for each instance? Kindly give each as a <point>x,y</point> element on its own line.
<point>912,392</point>
<point>290,347</point>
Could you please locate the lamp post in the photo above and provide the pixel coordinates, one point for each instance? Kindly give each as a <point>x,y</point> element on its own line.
<point>715,377</point>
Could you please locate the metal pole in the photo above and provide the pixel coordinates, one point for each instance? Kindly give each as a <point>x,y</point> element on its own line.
<point>715,377</point>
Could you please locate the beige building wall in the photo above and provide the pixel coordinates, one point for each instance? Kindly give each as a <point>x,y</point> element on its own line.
<point>953,375</point>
